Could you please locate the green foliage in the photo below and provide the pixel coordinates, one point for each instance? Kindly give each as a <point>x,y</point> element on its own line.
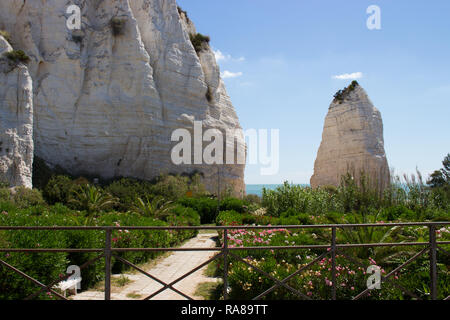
<point>47,267</point>
<point>206,207</point>
<point>42,173</point>
<point>157,208</point>
<point>92,199</point>
<point>229,217</point>
<point>172,187</point>
<point>396,212</point>
<point>6,35</point>
<point>118,26</point>
<point>127,191</point>
<point>233,204</point>
<point>301,199</point>
<point>17,56</point>
<point>342,94</point>
<point>357,195</point>
<point>199,41</point>
<point>182,12</point>
<point>59,189</point>
<point>439,182</point>
<point>252,199</point>
<point>22,197</point>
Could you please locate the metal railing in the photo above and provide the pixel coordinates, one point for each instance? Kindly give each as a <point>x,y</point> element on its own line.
<point>226,251</point>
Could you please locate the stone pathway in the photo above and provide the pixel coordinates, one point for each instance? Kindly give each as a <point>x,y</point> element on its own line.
<point>167,270</point>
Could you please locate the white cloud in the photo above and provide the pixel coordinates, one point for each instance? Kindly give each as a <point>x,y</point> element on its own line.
<point>228,74</point>
<point>220,56</point>
<point>346,76</point>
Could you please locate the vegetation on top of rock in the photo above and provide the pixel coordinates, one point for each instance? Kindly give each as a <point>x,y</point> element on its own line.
<point>181,12</point>
<point>6,35</point>
<point>17,56</point>
<point>342,94</point>
<point>199,41</point>
<point>118,26</point>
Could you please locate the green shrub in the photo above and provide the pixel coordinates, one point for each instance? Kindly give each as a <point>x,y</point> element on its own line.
<point>17,56</point>
<point>233,204</point>
<point>127,191</point>
<point>92,199</point>
<point>207,208</point>
<point>192,216</point>
<point>252,199</point>
<point>47,267</point>
<point>181,12</point>
<point>170,187</point>
<point>199,41</point>
<point>59,189</point>
<point>157,208</point>
<point>342,94</point>
<point>23,197</point>
<point>230,217</point>
<point>6,35</point>
<point>395,212</point>
<point>3,183</point>
<point>42,173</point>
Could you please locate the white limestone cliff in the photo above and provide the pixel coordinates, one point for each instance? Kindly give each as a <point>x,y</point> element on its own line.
<point>107,104</point>
<point>352,142</point>
<point>16,121</point>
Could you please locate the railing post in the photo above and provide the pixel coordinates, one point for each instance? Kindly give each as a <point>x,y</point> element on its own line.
<point>433,263</point>
<point>225,264</point>
<point>108,264</point>
<point>333,263</point>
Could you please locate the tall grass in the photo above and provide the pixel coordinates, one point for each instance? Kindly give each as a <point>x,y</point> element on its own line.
<point>362,196</point>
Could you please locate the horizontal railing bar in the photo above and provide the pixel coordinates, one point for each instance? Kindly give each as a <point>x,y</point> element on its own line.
<point>320,226</point>
<point>324,246</point>
<point>51,250</point>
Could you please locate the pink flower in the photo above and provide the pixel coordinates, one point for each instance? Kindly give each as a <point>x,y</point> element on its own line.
<point>352,288</point>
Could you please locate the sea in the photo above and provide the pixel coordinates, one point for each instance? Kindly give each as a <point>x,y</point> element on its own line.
<point>257,188</point>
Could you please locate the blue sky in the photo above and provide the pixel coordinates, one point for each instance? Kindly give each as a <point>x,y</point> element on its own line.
<point>284,54</point>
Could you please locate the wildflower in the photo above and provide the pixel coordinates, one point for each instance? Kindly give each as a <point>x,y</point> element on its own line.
<point>352,288</point>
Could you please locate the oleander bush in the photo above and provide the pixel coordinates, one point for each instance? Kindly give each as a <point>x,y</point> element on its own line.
<point>315,282</point>
<point>47,267</point>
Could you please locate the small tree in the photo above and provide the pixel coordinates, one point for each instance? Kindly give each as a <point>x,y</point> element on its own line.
<point>156,208</point>
<point>92,199</point>
<point>441,178</point>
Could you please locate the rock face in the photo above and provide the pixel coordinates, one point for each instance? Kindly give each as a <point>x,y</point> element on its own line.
<point>352,142</point>
<point>105,102</point>
<point>16,121</point>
